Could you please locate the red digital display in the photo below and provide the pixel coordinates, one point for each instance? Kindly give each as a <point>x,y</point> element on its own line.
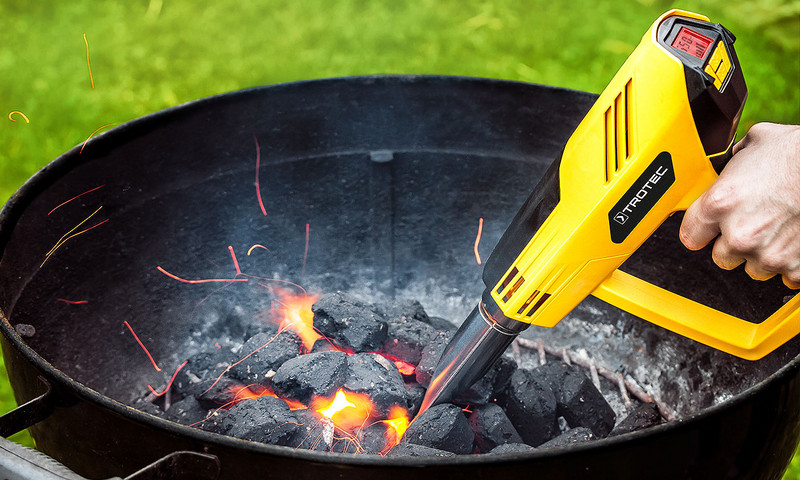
<point>692,43</point>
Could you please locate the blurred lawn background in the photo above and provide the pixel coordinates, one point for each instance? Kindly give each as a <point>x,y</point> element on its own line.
<point>148,55</point>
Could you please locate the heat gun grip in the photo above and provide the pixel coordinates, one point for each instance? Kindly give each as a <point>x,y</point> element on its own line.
<point>699,322</point>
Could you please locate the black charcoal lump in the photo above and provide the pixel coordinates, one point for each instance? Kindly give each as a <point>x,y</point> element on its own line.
<point>302,377</point>
<point>350,323</point>
<point>400,312</point>
<point>570,437</point>
<point>265,420</point>
<point>644,416</point>
<point>200,372</point>
<point>430,357</point>
<point>531,407</point>
<point>377,377</point>
<point>578,400</point>
<point>443,427</point>
<point>492,427</point>
<point>512,448</point>
<point>490,386</point>
<point>414,450</point>
<point>406,339</point>
<point>312,433</point>
<point>265,352</point>
<point>186,412</point>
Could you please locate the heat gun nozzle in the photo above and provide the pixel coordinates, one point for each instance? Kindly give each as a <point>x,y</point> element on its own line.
<point>477,344</point>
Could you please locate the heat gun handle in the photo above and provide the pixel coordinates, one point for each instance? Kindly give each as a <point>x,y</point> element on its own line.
<point>699,322</point>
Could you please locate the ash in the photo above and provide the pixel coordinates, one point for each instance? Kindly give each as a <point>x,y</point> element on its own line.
<point>269,383</point>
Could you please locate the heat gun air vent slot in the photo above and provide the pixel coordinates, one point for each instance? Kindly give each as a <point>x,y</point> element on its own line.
<point>618,121</point>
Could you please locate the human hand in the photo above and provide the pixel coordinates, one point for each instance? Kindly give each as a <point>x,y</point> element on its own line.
<point>753,208</point>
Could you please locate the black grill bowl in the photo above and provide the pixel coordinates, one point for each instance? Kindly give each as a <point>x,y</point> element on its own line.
<point>391,175</point>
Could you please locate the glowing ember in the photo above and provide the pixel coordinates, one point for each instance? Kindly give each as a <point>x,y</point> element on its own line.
<point>346,410</point>
<point>396,426</point>
<point>295,314</point>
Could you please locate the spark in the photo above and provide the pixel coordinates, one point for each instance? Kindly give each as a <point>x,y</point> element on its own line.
<point>235,262</point>
<point>10,117</point>
<point>73,198</point>
<point>257,245</point>
<point>205,280</point>
<point>478,240</point>
<point>87,59</point>
<point>305,254</point>
<point>73,302</point>
<point>142,345</point>
<point>92,135</point>
<point>169,385</point>
<point>258,185</point>
<point>64,238</point>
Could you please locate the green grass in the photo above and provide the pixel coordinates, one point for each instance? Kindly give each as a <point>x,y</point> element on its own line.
<point>149,55</point>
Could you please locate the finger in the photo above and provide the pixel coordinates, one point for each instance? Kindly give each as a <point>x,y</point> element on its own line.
<point>789,283</point>
<point>757,272</point>
<point>724,256</point>
<point>697,230</point>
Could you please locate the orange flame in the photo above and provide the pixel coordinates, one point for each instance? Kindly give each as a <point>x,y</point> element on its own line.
<point>396,426</point>
<point>295,314</point>
<point>347,410</point>
<point>250,392</point>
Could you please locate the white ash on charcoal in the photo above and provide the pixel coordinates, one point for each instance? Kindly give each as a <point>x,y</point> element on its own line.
<point>644,416</point>
<point>430,357</point>
<point>312,432</point>
<point>530,404</point>
<point>443,427</point>
<point>578,400</point>
<point>314,374</point>
<point>377,377</point>
<point>570,437</point>
<point>492,427</point>
<point>512,448</point>
<point>349,322</point>
<point>263,353</point>
<point>262,419</point>
<point>414,450</point>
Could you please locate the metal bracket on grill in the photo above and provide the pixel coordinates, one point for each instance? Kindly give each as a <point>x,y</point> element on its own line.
<point>28,414</point>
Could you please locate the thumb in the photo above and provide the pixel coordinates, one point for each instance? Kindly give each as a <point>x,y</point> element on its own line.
<point>698,228</point>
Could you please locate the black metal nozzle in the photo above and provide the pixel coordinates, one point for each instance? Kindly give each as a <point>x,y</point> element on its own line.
<point>479,342</point>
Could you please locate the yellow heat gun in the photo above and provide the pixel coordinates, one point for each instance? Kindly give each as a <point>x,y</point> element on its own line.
<point>653,142</point>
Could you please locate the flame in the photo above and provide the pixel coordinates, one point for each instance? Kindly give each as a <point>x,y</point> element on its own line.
<point>295,314</point>
<point>347,410</point>
<point>250,392</point>
<point>396,426</point>
<point>404,367</point>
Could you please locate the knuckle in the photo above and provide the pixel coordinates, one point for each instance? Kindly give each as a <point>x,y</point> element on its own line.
<point>718,200</point>
<point>744,240</point>
<point>773,261</point>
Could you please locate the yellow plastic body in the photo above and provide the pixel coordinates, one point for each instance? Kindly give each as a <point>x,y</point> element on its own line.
<point>642,112</point>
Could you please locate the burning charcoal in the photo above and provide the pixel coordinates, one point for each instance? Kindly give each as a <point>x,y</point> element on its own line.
<point>531,407</point>
<point>266,352</point>
<point>488,387</point>
<point>512,448</point>
<point>345,444</point>
<point>579,401</point>
<point>377,377</point>
<point>322,345</point>
<point>644,416</point>
<point>200,371</point>
<point>430,357</point>
<point>492,427</point>
<point>414,450</point>
<point>405,340</point>
<point>304,376</point>
<point>220,392</point>
<point>263,419</point>
<point>373,438</point>
<point>570,437</point>
<point>415,393</point>
<point>312,433</point>
<point>443,426</point>
<point>186,412</point>
<point>349,322</point>
<point>401,312</point>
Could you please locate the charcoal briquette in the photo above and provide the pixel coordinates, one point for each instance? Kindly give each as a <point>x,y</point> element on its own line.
<point>263,353</point>
<point>488,387</point>
<point>644,416</point>
<point>444,427</point>
<point>373,438</point>
<point>430,357</point>
<point>512,448</point>
<point>570,437</point>
<point>415,394</point>
<point>311,432</point>
<point>443,325</point>
<point>414,450</point>
<point>578,400</point>
<point>302,377</point>
<point>186,412</point>
<point>403,311</point>
<point>263,419</point>
<point>349,322</point>
<point>200,371</point>
<point>492,427</point>
<point>377,377</point>
<point>531,406</point>
<point>219,392</point>
<point>406,339</point>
